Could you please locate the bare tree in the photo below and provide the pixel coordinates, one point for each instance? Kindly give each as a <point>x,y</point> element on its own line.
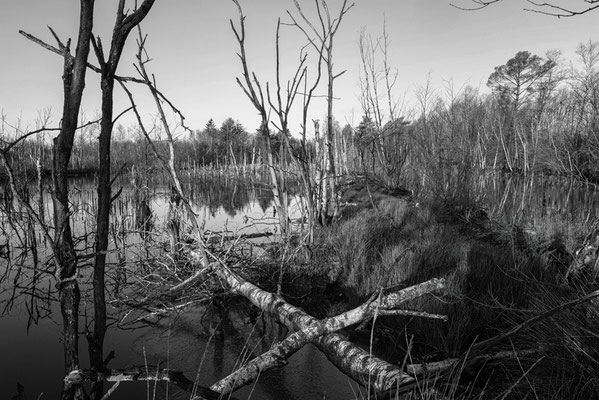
<point>282,109</point>
<point>167,162</point>
<point>74,71</point>
<point>578,152</point>
<point>75,68</point>
<point>124,23</point>
<point>558,9</point>
<point>377,82</point>
<point>253,90</point>
<point>321,37</point>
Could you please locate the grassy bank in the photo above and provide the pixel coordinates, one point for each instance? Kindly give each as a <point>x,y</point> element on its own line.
<point>499,276</point>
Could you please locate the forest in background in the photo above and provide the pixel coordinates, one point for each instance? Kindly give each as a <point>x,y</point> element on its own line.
<point>540,117</point>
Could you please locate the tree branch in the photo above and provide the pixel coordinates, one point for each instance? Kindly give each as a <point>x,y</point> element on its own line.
<point>541,8</point>
<point>70,57</point>
<point>142,373</point>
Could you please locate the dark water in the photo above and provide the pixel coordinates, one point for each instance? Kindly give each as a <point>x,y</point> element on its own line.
<point>527,201</point>
<point>200,341</point>
<point>189,341</point>
<point>534,201</point>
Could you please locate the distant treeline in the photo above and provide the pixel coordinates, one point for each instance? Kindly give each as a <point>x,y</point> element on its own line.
<point>229,145</point>
<point>541,116</point>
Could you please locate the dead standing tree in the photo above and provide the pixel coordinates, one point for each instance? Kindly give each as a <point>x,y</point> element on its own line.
<point>167,162</point>
<point>75,68</point>
<point>325,206</point>
<point>282,109</point>
<point>377,82</point>
<point>108,64</point>
<point>310,174</point>
<point>281,102</point>
<point>321,38</point>
<point>74,71</point>
<point>253,90</point>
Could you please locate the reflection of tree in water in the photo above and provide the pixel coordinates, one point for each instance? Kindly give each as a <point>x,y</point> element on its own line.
<point>143,217</point>
<point>529,201</point>
<point>23,273</point>
<point>230,194</point>
<point>265,200</point>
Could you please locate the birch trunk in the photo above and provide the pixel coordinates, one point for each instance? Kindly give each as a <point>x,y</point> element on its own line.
<point>366,369</point>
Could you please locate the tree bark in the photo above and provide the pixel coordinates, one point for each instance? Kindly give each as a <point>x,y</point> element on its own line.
<point>143,373</point>
<point>366,369</point>
<point>312,329</point>
<point>66,259</point>
<point>123,26</point>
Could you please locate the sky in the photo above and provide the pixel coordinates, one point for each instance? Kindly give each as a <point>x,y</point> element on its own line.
<point>193,52</point>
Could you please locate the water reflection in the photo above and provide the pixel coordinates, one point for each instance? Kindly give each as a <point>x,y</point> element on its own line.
<point>531,201</point>
<point>28,301</point>
<point>208,343</point>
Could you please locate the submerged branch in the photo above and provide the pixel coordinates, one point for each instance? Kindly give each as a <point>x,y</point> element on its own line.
<point>142,373</point>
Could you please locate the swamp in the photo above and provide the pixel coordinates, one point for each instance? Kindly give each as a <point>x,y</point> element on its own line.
<point>447,249</point>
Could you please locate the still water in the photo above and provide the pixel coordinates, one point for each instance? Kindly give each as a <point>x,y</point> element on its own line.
<point>199,341</point>
<point>189,341</point>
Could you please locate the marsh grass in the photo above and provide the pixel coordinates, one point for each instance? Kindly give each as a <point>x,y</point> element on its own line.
<point>498,276</point>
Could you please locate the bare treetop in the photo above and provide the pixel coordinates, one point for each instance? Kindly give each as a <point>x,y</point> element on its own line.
<point>554,8</point>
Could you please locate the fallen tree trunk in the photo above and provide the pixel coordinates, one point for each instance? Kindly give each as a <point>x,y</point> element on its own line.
<point>373,373</point>
<point>366,369</point>
<point>438,367</point>
<point>278,355</point>
<point>218,236</point>
<point>142,373</point>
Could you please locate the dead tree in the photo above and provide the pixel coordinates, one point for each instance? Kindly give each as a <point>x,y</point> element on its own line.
<point>142,373</point>
<point>253,90</point>
<point>74,71</point>
<point>282,109</point>
<point>349,358</point>
<point>324,207</point>
<point>75,68</point>
<point>310,170</point>
<point>377,82</point>
<point>167,162</point>
<point>321,38</point>
<point>108,64</point>
<point>281,100</point>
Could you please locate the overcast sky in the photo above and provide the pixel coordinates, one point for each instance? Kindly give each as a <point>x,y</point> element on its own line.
<point>194,50</point>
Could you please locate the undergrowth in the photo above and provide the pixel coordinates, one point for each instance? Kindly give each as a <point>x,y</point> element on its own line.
<point>498,276</point>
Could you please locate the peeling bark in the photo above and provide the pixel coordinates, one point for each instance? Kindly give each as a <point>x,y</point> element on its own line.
<point>349,358</point>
